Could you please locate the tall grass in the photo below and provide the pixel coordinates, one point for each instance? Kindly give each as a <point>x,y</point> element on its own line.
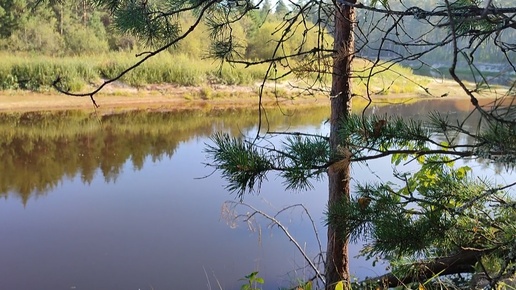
<point>37,72</point>
<point>385,78</point>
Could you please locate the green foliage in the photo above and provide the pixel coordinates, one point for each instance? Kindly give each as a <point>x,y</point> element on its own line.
<point>245,164</point>
<point>252,282</point>
<point>467,24</point>
<point>502,137</point>
<point>241,163</point>
<point>82,40</point>
<point>12,16</point>
<point>257,30</point>
<point>281,9</point>
<point>74,29</point>
<point>195,47</point>
<point>385,78</point>
<point>380,133</point>
<point>38,72</point>
<point>261,46</point>
<point>269,41</point>
<point>138,19</point>
<point>384,3</point>
<point>37,35</point>
<point>304,153</point>
<point>438,211</point>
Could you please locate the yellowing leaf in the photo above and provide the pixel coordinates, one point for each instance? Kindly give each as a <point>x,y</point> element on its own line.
<point>463,171</point>
<point>445,145</point>
<point>339,286</point>
<point>421,287</point>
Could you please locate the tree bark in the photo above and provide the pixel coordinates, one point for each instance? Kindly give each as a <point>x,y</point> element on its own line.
<point>337,259</point>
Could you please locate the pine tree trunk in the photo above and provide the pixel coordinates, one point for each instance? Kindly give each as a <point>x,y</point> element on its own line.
<point>337,266</point>
<point>61,19</point>
<point>84,13</point>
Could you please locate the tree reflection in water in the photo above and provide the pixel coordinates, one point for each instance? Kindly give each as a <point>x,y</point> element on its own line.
<point>39,149</point>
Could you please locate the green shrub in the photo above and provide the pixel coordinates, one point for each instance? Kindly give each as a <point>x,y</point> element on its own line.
<point>82,40</point>
<point>37,36</point>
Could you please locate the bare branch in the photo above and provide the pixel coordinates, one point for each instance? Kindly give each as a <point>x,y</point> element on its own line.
<point>276,222</point>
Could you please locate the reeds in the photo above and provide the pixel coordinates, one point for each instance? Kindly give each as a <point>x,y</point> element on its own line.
<point>38,72</point>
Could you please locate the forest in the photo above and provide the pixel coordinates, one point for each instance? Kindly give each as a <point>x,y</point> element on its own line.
<point>67,37</point>
<point>79,28</point>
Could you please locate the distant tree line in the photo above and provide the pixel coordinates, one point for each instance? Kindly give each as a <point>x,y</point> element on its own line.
<point>58,28</point>
<point>385,40</point>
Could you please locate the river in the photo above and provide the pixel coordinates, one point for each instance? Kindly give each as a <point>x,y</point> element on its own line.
<point>126,202</point>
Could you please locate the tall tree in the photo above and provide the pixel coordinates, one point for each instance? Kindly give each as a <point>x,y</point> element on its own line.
<point>337,259</point>
<point>13,14</point>
<point>265,10</point>
<point>281,9</point>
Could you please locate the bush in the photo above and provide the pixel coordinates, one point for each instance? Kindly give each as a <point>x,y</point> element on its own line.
<point>37,36</point>
<point>82,40</point>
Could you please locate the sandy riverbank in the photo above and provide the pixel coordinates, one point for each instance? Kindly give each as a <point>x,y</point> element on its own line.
<point>170,98</point>
<point>155,97</point>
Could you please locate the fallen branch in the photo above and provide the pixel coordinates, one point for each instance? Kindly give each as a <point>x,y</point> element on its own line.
<point>462,262</point>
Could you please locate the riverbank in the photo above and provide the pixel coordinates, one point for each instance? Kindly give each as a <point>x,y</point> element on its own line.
<point>120,97</point>
<point>156,98</point>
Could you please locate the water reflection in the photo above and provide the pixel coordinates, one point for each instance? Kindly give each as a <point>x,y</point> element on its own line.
<point>122,209</point>
<point>38,150</point>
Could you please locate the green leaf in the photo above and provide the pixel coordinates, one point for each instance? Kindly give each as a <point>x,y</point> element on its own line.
<point>252,275</point>
<point>397,158</point>
<point>308,286</point>
<point>463,171</point>
<point>384,3</point>
<point>445,145</point>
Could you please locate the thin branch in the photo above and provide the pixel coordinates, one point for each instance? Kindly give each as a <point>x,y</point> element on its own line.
<point>284,229</point>
<point>56,83</point>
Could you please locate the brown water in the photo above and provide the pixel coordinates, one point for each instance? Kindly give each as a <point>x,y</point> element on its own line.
<point>114,202</point>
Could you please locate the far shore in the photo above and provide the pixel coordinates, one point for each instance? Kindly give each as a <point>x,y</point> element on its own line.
<point>171,98</point>
<point>152,100</point>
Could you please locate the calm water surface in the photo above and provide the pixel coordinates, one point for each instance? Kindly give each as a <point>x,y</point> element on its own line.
<point>118,204</point>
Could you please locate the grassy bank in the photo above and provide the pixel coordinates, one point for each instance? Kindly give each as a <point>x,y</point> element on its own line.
<point>37,72</point>
<point>172,82</point>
